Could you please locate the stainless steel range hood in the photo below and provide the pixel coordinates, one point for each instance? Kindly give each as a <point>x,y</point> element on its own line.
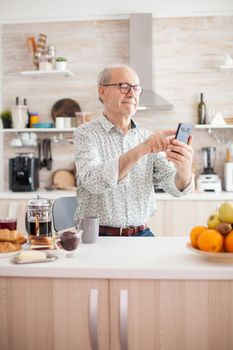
<point>140,58</point>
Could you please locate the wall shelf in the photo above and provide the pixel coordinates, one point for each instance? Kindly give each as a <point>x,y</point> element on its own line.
<point>50,73</point>
<point>214,131</point>
<point>224,68</point>
<point>37,130</point>
<point>209,126</point>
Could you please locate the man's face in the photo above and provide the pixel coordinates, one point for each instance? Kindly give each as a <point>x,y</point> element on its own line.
<point>114,101</point>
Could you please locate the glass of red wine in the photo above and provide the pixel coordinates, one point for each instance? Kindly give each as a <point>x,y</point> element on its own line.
<point>8,223</point>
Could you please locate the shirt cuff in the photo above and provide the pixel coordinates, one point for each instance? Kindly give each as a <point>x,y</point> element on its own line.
<point>190,186</point>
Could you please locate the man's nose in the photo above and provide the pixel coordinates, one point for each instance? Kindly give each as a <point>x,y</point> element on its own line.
<point>131,91</point>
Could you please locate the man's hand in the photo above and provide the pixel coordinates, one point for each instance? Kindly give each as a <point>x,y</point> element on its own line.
<point>158,141</point>
<point>182,156</point>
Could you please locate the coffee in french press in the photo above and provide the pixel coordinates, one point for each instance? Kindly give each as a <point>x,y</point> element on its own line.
<point>39,217</point>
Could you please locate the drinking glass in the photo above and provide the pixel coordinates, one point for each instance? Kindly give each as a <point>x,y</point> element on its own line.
<point>67,241</point>
<point>9,223</point>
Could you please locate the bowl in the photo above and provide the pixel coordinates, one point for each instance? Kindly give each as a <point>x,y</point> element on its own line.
<point>218,256</point>
<point>67,241</point>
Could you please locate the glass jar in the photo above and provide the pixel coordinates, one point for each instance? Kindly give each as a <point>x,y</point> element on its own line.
<point>44,62</point>
<point>39,217</point>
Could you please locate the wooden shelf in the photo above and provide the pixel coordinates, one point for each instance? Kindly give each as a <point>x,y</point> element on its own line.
<point>50,73</point>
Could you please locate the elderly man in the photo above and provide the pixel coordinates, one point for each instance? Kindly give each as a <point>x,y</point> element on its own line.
<point>118,163</point>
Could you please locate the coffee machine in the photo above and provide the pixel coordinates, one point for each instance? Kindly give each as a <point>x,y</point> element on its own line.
<point>209,181</point>
<point>23,173</point>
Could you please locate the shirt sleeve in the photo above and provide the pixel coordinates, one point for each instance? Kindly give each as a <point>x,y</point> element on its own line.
<point>95,175</point>
<point>164,173</point>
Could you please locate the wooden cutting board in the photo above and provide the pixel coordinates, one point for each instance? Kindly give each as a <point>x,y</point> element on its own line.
<point>64,180</point>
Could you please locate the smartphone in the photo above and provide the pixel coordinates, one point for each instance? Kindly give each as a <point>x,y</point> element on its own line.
<point>183,131</point>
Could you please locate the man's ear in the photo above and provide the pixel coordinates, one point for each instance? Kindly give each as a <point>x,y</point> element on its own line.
<point>101,94</point>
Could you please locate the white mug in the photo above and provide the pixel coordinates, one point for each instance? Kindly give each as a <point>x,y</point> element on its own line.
<point>60,122</point>
<point>67,122</point>
<point>90,227</point>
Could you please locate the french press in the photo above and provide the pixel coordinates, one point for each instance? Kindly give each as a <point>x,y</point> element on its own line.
<point>39,217</point>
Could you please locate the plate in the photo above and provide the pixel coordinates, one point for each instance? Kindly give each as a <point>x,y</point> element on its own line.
<point>42,125</point>
<point>48,258</point>
<point>10,254</point>
<point>220,257</point>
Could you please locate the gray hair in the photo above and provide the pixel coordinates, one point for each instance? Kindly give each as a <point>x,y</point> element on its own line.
<point>104,76</point>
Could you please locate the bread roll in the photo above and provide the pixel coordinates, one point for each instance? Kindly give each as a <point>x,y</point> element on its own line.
<point>12,236</point>
<point>41,240</point>
<point>8,236</point>
<point>21,239</point>
<point>8,247</point>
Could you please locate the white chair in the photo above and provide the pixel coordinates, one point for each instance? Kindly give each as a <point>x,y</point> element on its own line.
<point>63,210</point>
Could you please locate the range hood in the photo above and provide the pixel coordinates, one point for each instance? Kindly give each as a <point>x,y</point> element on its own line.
<point>140,58</point>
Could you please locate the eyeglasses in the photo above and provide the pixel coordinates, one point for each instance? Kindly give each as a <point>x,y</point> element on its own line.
<point>125,88</point>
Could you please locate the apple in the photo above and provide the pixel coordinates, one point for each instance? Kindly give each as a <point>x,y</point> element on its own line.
<point>213,221</point>
<point>225,212</point>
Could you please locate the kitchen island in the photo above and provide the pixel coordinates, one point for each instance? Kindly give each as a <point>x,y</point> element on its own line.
<point>120,293</point>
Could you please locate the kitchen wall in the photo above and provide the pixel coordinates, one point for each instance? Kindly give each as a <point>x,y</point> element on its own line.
<point>29,10</point>
<point>187,55</point>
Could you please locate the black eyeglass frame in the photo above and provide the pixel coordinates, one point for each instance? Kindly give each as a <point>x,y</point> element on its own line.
<point>129,87</point>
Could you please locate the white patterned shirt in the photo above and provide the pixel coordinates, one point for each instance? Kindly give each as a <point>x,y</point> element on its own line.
<point>130,201</point>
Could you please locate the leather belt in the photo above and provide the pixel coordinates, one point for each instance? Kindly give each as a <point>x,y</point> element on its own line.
<point>120,231</point>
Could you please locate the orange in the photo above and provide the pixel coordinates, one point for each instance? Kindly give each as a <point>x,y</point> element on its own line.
<point>229,242</point>
<point>195,233</point>
<point>210,241</point>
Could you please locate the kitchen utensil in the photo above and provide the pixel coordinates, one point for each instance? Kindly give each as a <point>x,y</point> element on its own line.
<point>39,154</point>
<point>65,108</point>
<point>39,217</point>
<point>64,179</point>
<point>49,155</point>
<point>44,148</point>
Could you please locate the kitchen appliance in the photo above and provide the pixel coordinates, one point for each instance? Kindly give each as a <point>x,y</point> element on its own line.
<point>228,176</point>
<point>208,181</point>
<point>23,172</point>
<point>39,217</point>
<point>141,59</point>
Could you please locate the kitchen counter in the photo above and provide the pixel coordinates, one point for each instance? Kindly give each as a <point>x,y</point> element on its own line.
<point>164,258</point>
<point>228,196</point>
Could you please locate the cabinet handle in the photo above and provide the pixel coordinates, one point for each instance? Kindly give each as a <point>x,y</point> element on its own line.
<point>93,311</point>
<point>123,311</point>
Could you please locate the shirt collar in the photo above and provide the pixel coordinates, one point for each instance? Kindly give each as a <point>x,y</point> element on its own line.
<point>107,125</point>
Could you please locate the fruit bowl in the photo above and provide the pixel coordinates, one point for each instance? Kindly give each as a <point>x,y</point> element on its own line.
<point>219,257</point>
